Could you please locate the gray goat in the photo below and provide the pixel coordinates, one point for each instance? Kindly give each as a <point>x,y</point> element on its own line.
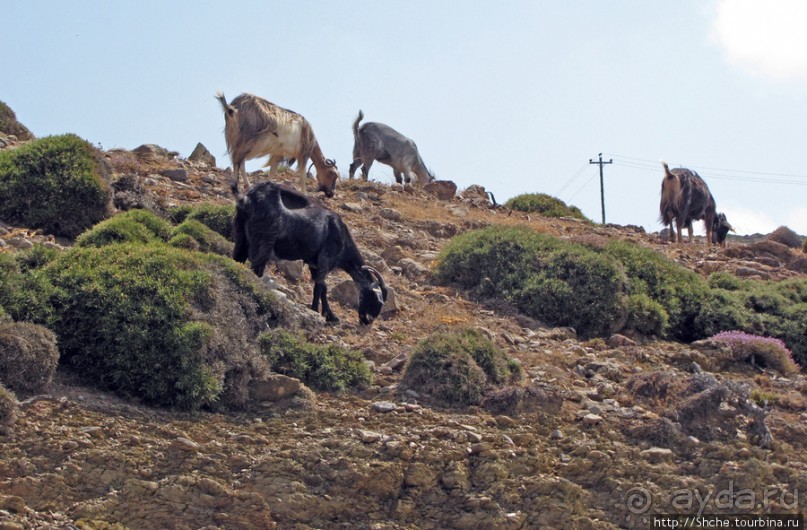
<point>255,127</point>
<point>376,141</point>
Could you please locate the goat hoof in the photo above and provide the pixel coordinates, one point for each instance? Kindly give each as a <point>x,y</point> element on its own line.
<point>332,319</point>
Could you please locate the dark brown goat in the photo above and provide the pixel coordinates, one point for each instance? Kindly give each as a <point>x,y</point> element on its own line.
<point>685,198</point>
<point>255,127</point>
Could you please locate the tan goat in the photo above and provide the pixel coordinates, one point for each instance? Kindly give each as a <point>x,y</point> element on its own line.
<point>255,127</point>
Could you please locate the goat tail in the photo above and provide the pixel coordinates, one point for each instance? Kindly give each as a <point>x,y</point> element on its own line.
<point>229,110</point>
<point>241,248</point>
<point>666,168</point>
<point>356,125</point>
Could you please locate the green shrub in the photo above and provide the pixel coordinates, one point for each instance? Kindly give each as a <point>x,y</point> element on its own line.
<point>646,316</point>
<point>679,291</point>
<point>720,310</point>
<point>194,235</point>
<point>24,292</point>
<point>492,262</point>
<point>159,323</point>
<point>36,256</point>
<point>443,368</point>
<point>576,287</point>
<point>10,125</point>
<point>790,328</point>
<point>28,357</point>
<point>545,205</point>
<point>322,367</point>
<point>132,226</point>
<point>558,282</point>
<point>56,184</point>
<point>218,218</point>
<point>725,280</point>
<point>498,367</point>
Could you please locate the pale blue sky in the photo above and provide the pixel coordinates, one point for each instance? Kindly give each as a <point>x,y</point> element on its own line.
<point>516,96</point>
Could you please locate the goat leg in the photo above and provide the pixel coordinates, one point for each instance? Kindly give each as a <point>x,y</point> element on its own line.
<point>353,167</point>
<point>321,293</point>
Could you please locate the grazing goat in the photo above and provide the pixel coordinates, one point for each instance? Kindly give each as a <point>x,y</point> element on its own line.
<point>721,229</point>
<point>685,198</point>
<point>255,127</point>
<point>376,141</point>
<point>275,222</point>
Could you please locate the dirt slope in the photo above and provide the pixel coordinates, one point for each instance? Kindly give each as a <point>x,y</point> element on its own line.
<point>593,445</point>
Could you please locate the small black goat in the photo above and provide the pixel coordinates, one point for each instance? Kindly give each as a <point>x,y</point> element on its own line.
<point>275,222</point>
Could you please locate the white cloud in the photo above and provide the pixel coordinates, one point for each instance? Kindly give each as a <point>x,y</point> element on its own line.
<point>746,221</point>
<point>765,37</point>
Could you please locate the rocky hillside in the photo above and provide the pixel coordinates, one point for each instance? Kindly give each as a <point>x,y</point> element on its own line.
<point>606,433</point>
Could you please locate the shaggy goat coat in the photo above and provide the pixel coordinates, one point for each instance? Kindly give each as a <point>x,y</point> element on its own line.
<point>685,198</point>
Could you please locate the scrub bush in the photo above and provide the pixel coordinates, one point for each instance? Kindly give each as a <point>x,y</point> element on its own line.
<point>132,226</point>
<point>545,205</point>
<point>192,234</point>
<point>322,367</point>
<point>57,183</point>
<point>28,357</point>
<point>218,218</point>
<point>561,283</point>
<point>456,368</point>
<point>765,351</point>
<point>159,323</point>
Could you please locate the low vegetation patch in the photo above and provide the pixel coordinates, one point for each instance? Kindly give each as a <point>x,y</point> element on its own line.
<point>25,290</point>
<point>457,368</point>
<point>762,351</point>
<point>561,283</point>
<point>218,218</point>
<point>162,324</point>
<point>133,226</point>
<point>620,286</point>
<point>142,226</point>
<point>28,357</point>
<point>194,235</point>
<point>322,367</point>
<point>545,205</point>
<point>56,183</point>
<point>10,125</point>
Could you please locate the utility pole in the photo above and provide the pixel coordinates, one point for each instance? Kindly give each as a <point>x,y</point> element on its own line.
<point>602,185</point>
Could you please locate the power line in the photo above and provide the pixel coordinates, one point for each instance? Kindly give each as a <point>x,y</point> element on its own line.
<point>648,163</point>
<point>653,168</point>
<point>593,176</point>
<point>574,177</point>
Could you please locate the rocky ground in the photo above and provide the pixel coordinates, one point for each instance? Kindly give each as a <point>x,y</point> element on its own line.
<point>606,434</point>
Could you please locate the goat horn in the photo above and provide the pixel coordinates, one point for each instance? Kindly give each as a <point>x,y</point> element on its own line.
<point>377,276</point>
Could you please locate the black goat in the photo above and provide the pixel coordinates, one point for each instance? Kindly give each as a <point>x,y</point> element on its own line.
<point>275,222</point>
